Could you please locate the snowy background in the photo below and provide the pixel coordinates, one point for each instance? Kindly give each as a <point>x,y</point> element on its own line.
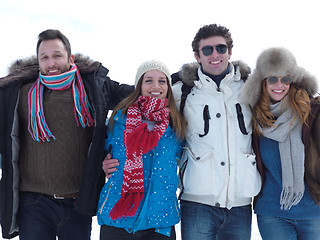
<point>122,34</point>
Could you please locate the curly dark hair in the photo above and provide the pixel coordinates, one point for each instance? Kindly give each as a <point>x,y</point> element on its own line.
<point>211,30</point>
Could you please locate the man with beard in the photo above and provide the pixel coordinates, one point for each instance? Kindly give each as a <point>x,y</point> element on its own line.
<point>52,132</point>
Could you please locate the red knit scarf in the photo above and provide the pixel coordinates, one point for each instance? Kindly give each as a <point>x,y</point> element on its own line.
<point>139,140</point>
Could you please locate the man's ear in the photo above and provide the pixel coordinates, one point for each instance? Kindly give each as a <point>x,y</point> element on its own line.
<point>230,53</point>
<point>196,55</point>
<point>71,59</point>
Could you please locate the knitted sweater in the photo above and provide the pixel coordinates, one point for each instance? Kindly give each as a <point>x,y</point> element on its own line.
<point>62,170</point>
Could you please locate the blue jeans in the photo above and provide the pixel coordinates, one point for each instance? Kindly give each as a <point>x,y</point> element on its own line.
<point>41,217</point>
<point>204,222</point>
<point>287,229</point>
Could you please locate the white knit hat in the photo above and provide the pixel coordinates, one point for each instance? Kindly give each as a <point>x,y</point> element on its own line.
<point>152,65</point>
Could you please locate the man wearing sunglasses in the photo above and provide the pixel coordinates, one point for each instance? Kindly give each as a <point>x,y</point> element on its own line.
<point>218,173</point>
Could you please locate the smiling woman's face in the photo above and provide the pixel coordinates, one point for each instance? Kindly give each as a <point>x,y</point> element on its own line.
<point>154,84</point>
<point>277,91</point>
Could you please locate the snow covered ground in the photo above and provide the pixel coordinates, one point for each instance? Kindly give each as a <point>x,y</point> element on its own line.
<point>96,230</point>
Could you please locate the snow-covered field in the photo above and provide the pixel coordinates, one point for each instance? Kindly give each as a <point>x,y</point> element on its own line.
<point>95,231</point>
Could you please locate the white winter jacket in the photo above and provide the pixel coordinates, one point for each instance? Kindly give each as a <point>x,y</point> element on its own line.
<point>218,166</point>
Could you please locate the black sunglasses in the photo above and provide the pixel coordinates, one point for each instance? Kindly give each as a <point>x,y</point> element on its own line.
<point>283,80</point>
<point>208,50</point>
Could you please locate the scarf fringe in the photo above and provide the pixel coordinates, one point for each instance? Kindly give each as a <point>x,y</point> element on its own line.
<point>288,198</point>
<point>127,206</point>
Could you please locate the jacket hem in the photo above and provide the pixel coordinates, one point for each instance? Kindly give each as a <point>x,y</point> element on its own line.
<point>214,201</point>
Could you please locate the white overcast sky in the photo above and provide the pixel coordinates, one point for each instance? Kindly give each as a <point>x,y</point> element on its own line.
<point>123,33</point>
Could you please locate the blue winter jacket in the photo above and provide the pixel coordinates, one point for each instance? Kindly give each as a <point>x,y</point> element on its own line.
<point>159,207</point>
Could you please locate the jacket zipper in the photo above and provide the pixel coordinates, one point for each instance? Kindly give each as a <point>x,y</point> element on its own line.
<point>175,204</point>
<point>104,203</point>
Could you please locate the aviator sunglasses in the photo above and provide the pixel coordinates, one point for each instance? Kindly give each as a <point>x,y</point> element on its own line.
<point>284,80</point>
<point>208,50</point>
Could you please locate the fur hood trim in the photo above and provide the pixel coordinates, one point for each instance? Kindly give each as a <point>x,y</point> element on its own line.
<point>28,68</point>
<point>277,62</point>
<point>189,72</point>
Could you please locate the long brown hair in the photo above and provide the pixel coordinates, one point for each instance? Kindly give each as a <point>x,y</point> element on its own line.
<point>299,101</point>
<point>178,121</point>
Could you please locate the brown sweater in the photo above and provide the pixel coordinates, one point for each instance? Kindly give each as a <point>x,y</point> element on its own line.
<point>53,167</point>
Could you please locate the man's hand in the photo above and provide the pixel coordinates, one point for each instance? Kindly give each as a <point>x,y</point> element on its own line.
<point>109,165</point>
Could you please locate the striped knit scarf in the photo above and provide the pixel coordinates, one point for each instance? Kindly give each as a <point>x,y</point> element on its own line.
<point>139,140</point>
<point>37,125</point>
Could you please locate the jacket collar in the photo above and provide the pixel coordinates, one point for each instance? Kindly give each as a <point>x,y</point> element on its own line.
<point>27,69</point>
<point>189,72</point>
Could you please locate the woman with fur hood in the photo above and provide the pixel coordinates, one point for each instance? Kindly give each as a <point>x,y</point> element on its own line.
<point>286,128</point>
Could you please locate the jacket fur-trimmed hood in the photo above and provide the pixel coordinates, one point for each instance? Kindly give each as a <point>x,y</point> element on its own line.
<point>277,62</point>
<point>189,72</point>
<point>28,68</point>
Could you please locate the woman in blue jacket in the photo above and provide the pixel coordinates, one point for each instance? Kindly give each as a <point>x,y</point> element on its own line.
<point>145,134</point>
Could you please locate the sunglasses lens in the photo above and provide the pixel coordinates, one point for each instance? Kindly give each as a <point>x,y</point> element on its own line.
<point>207,50</point>
<point>272,80</point>
<point>286,80</point>
<point>221,48</point>
<point>283,80</point>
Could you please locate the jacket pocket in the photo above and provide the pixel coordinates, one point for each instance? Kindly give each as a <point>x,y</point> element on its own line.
<point>243,113</point>
<point>240,117</point>
<point>203,174</point>
<point>248,180</point>
<point>206,118</point>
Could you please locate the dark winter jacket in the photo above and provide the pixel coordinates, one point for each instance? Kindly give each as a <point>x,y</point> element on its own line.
<point>103,93</point>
